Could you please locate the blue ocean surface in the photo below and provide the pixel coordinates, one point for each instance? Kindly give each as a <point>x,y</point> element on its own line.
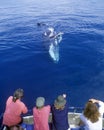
<point>25,61</point>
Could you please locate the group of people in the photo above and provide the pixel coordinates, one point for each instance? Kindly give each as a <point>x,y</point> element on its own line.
<point>90,119</point>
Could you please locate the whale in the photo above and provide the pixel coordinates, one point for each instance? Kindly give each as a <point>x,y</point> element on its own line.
<point>53,40</point>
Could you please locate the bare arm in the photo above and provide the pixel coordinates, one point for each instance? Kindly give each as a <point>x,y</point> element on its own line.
<point>94,100</point>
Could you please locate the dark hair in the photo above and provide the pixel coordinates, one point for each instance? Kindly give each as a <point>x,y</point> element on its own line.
<point>91,112</point>
<point>18,94</point>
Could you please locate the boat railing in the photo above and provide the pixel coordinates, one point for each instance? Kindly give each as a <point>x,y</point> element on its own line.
<point>73,117</point>
<point>30,112</point>
<point>76,109</point>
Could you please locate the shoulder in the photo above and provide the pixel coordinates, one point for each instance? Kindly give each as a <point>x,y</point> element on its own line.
<point>101,103</point>
<point>34,109</point>
<point>9,100</point>
<point>21,103</point>
<point>48,107</point>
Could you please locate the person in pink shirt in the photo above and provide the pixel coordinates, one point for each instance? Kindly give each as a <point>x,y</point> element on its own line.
<point>41,114</point>
<point>14,108</point>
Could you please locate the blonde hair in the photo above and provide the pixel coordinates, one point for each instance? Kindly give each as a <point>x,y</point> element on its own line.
<point>58,107</point>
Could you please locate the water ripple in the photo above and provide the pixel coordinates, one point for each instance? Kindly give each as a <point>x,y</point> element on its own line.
<point>24,60</point>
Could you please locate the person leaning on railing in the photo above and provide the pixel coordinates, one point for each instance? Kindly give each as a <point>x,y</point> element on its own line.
<point>92,115</point>
<point>14,108</point>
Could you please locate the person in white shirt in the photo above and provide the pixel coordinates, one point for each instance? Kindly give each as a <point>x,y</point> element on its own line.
<point>91,118</point>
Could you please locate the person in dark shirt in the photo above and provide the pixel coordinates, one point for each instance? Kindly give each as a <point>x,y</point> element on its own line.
<point>60,113</point>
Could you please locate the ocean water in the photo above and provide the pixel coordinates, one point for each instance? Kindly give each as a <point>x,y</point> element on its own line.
<point>25,61</point>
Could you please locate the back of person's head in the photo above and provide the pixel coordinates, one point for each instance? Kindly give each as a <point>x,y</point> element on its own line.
<point>60,102</point>
<point>91,111</point>
<point>40,101</point>
<point>18,94</point>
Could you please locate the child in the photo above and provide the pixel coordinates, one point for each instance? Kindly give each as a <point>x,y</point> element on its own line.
<point>41,114</point>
